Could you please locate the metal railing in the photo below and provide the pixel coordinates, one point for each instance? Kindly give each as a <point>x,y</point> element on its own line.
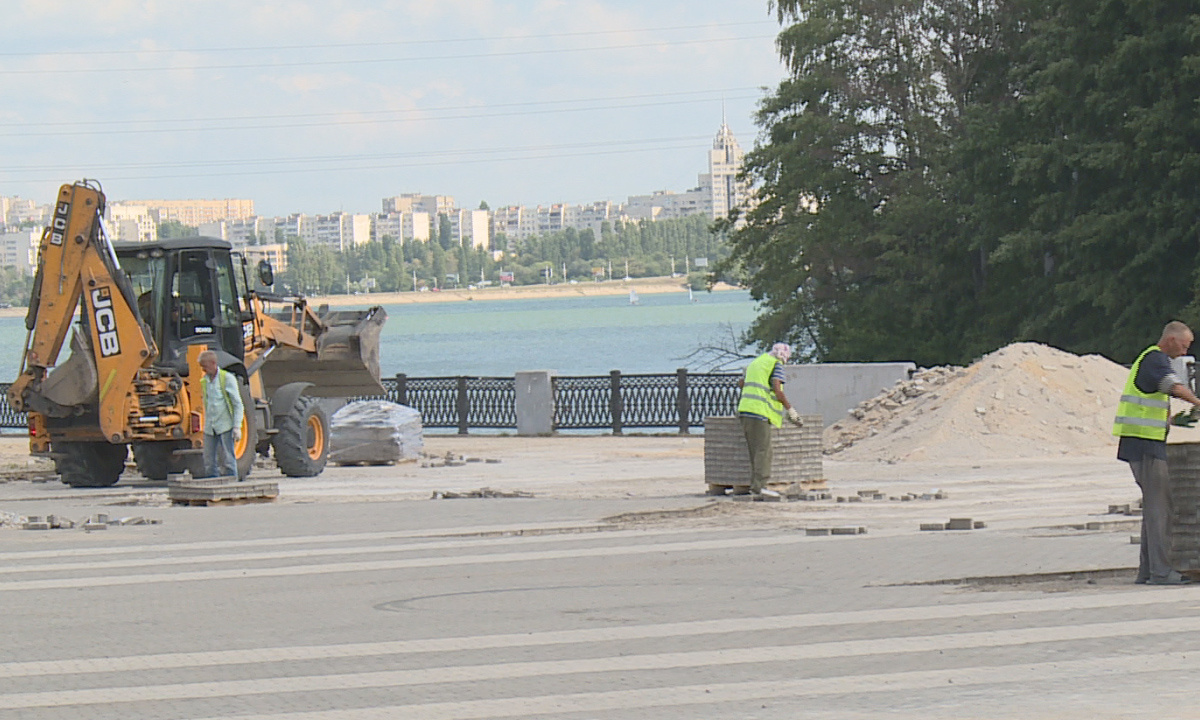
<point>615,402</point>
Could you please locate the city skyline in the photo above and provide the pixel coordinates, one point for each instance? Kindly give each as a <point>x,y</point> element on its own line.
<point>406,217</point>
<point>542,103</point>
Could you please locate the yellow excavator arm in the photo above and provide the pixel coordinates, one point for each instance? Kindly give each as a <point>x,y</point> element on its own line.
<point>76,262</point>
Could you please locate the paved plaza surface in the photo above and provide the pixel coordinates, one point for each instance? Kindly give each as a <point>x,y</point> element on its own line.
<point>619,590</point>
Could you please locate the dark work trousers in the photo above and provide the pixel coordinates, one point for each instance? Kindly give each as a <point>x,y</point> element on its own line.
<point>758,441</point>
<point>1151,476</point>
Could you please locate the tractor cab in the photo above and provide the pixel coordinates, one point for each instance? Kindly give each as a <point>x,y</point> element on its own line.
<point>189,291</point>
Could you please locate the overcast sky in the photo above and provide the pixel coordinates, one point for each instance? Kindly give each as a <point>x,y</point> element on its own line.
<point>307,106</point>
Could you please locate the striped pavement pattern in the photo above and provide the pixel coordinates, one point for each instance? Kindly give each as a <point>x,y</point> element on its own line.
<point>584,664</point>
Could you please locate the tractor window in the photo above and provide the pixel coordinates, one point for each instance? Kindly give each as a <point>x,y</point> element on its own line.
<point>192,297</point>
<point>229,313</point>
<point>147,273</point>
<point>239,277</point>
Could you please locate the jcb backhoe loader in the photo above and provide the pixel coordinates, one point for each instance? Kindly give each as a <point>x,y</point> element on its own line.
<point>145,312</point>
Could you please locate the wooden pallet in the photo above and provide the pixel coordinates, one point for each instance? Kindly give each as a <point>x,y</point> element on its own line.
<point>192,502</point>
<point>739,489</point>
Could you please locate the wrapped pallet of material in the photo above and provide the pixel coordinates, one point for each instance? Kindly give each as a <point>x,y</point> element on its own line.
<point>375,432</point>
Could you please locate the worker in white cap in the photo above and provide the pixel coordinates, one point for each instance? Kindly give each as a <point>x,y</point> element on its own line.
<point>761,409</point>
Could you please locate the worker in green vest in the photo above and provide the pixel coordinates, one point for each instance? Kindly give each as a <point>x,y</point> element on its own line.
<point>1143,415</point>
<point>761,409</point>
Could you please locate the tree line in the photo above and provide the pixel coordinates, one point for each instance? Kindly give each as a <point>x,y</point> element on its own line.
<point>939,178</point>
<point>641,249</point>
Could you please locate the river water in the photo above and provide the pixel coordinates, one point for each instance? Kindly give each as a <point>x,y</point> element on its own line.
<point>572,336</point>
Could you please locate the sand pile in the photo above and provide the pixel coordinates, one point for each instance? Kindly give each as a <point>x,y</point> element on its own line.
<point>1024,400</point>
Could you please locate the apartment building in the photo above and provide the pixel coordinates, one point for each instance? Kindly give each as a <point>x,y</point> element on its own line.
<point>666,205</point>
<point>591,217</point>
<point>196,212</point>
<point>401,226</point>
<point>127,222</point>
<point>19,249</point>
<point>337,231</point>
<point>516,222</point>
<point>297,225</point>
<point>274,253</point>
<point>249,231</point>
<point>341,231</point>
<point>18,210</point>
<point>473,226</point>
<point>433,205</point>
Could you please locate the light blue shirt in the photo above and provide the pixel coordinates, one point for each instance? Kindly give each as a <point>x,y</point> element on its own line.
<point>223,409</point>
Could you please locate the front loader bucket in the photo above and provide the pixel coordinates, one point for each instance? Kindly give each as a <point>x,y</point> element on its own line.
<point>346,363</point>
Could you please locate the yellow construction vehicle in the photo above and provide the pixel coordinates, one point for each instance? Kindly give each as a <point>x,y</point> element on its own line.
<point>143,312</point>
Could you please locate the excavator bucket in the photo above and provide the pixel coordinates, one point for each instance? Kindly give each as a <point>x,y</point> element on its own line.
<point>346,363</point>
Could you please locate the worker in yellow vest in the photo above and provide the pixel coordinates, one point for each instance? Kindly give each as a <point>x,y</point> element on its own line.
<point>1141,424</point>
<point>761,409</point>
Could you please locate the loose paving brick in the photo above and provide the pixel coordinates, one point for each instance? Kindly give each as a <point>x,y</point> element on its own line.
<point>847,531</point>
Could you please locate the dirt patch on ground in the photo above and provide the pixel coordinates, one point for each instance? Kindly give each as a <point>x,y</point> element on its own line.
<point>1108,579</point>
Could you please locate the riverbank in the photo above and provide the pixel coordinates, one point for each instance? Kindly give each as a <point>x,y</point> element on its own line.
<point>642,286</point>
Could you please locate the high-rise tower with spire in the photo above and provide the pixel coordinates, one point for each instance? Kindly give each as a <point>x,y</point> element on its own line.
<point>724,164</point>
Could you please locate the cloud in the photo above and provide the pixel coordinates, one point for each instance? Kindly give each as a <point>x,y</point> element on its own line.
<point>391,67</point>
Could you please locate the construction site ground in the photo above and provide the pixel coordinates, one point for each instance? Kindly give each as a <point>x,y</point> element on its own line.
<point>658,479</point>
<point>591,576</point>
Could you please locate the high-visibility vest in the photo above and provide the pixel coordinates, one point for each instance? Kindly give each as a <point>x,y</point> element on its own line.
<point>1139,414</point>
<point>757,395</point>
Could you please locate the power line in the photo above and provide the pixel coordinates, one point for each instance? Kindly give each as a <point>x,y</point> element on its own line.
<point>91,125</point>
<point>320,163</point>
<point>357,122</point>
<point>390,43</point>
<point>459,161</point>
<point>378,61</point>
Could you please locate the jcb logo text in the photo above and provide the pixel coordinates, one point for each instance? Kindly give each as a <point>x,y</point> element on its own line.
<point>106,322</point>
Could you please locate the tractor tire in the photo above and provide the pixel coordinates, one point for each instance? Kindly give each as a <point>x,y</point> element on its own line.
<point>156,460</point>
<point>302,443</point>
<point>153,460</point>
<point>245,449</point>
<point>90,464</point>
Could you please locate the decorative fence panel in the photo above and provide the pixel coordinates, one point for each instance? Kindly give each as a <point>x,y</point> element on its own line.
<point>604,402</point>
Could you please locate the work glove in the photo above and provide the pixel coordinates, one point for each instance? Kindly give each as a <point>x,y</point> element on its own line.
<point>237,434</point>
<point>1186,419</point>
<point>794,417</point>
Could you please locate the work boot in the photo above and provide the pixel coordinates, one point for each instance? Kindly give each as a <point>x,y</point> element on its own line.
<point>1173,578</point>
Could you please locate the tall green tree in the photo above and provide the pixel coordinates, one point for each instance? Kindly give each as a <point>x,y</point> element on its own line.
<point>941,178</point>
<point>1107,164</point>
<point>853,246</point>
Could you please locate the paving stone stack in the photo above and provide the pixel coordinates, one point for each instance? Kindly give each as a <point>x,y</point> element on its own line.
<point>1183,461</point>
<point>797,453</point>
<point>186,490</point>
